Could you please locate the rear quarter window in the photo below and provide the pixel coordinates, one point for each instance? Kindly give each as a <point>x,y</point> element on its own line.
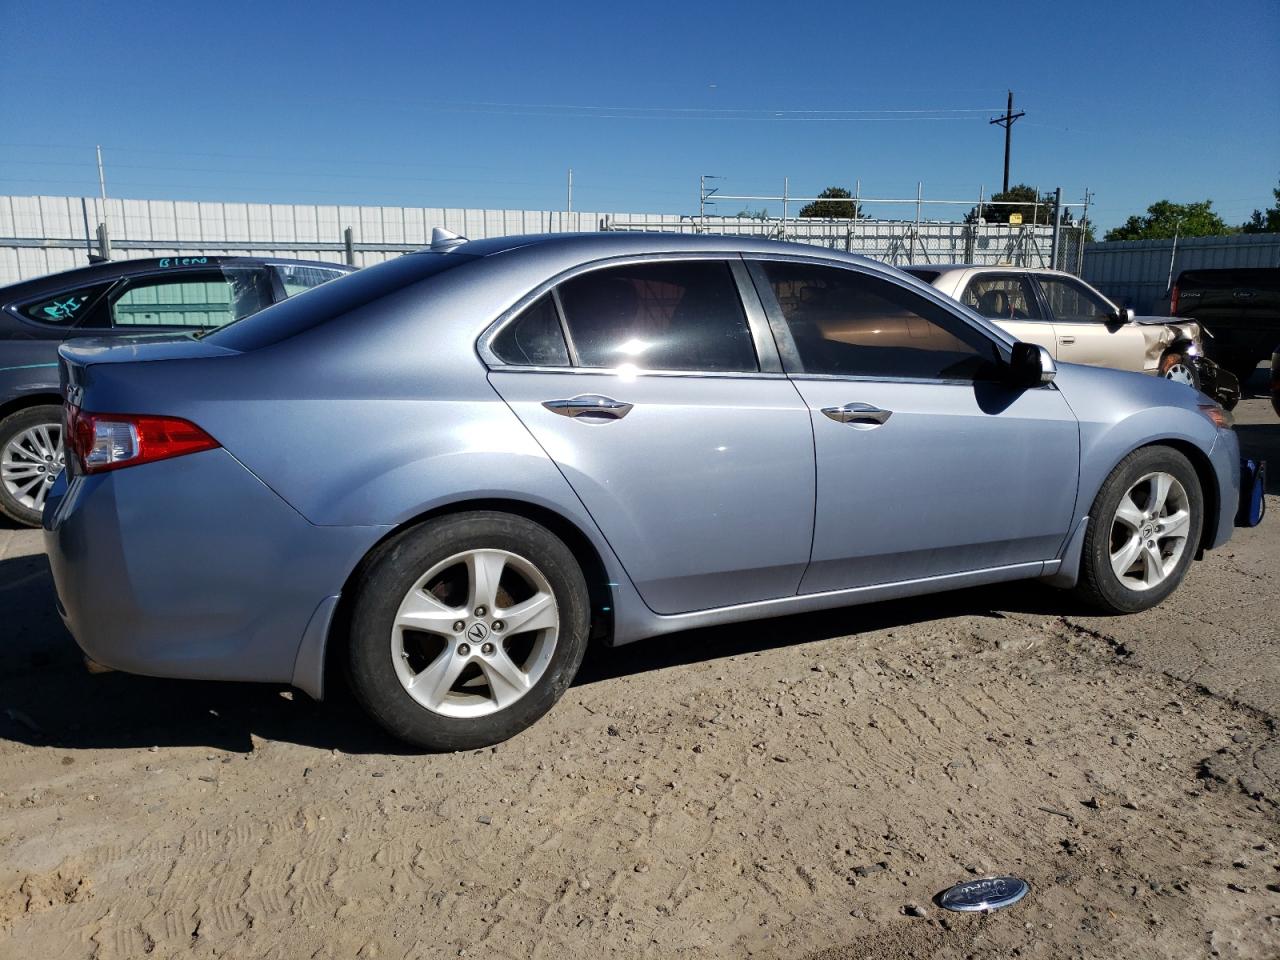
<point>64,309</point>
<point>333,299</point>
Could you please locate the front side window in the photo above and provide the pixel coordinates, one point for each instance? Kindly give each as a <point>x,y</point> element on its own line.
<point>190,299</point>
<point>298,279</point>
<point>682,315</point>
<point>847,323</point>
<point>1070,301</point>
<point>1002,297</point>
<point>63,309</point>
<point>535,338</point>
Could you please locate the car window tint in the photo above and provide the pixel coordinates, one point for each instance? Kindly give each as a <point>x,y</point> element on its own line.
<point>534,338</point>
<point>191,299</point>
<point>298,279</point>
<point>1072,302</point>
<point>659,316</point>
<point>1002,298</point>
<point>63,309</point>
<point>852,324</point>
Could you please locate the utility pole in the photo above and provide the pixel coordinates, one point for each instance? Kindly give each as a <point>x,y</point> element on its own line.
<point>1007,122</point>
<point>104,231</point>
<point>569,199</point>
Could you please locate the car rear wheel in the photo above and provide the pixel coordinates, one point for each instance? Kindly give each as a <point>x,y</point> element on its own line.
<point>1179,369</point>
<point>1144,528</point>
<point>31,456</point>
<point>467,629</point>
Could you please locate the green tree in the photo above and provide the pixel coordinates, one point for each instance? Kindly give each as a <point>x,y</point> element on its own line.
<point>749,214</point>
<point>1165,218</point>
<point>1023,200</point>
<point>834,202</point>
<point>1265,221</point>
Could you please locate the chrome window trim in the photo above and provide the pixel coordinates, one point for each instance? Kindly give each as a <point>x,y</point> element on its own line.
<point>948,382</point>
<point>484,343</point>
<point>638,372</point>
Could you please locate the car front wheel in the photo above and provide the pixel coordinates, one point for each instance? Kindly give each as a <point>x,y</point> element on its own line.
<point>1179,369</point>
<point>31,456</point>
<point>1144,528</point>
<point>467,629</point>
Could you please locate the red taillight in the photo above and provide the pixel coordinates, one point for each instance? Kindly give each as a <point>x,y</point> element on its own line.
<point>109,441</point>
<point>1173,301</point>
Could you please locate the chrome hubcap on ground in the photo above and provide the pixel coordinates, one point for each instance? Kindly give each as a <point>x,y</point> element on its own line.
<point>475,633</point>
<point>1180,373</point>
<point>1149,532</point>
<point>30,462</point>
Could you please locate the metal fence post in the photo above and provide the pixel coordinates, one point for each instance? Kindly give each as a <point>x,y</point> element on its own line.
<point>104,242</point>
<point>1057,228</point>
<point>349,240</point>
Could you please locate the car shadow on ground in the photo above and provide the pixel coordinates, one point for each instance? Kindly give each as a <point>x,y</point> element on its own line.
<point>48,699</point>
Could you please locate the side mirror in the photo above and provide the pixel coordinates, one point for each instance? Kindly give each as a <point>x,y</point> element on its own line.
<point>1121,315</point>
<point>1030,366</point>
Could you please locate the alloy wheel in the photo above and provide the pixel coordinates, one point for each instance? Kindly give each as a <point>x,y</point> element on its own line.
<point>1180,373</point>
<point>1149,531</point>
<point>30,462</point>
<point>475,633</point>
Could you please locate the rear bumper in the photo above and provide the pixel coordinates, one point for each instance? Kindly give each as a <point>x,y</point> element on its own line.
<point>192,568</point>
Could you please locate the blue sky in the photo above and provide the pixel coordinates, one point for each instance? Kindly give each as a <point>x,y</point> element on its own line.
<point>487,104</point>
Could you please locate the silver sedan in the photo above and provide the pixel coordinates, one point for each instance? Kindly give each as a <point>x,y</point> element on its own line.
<point>446,474</point>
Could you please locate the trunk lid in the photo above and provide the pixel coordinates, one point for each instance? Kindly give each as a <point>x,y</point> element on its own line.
<point>79,356</point>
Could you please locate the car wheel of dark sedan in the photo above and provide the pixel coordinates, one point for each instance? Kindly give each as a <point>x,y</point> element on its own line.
<point>467,629</point>
<point>31,456</point>
<point>1143,532</point>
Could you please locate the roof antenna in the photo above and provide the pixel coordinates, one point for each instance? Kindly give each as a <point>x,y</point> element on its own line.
<point>442,240</point>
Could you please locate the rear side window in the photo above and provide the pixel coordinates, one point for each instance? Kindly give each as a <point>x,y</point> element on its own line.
<point>1005,297</point>
<point>535,338</point>
<point>330,300</point>
<point>682,315</point>
<point>190,299</point>
<point>847,323</point>
<point>63,309</point>
<point>298,279</point>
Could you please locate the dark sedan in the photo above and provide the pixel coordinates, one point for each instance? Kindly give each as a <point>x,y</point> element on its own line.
<point>167,295</point>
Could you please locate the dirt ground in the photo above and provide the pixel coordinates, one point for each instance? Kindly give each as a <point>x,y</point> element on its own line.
<point>794,788</point>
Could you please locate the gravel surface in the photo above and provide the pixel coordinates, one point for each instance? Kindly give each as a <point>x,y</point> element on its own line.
<point>795,788</point>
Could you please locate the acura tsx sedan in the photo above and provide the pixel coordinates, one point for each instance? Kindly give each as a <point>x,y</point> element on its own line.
<point>445,474</point>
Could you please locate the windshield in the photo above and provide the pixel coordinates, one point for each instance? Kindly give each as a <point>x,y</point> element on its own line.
<point>333,299</point>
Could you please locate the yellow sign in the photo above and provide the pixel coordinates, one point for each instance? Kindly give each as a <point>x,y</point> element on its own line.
<point>1015,219</point>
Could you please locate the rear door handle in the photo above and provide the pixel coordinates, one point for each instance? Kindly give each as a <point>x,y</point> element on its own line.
<point>1066,339</point>
<point>589,406</point>
<point>864,413</point>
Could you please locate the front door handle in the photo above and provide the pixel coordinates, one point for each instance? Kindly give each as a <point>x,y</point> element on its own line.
<point>864,413</point>
<point>589,406</point>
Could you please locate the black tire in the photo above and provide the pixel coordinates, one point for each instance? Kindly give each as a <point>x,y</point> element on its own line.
<point>1099,586</point>
<point>45,414</point>
<point>1174,360</point>
<point>393,571</point>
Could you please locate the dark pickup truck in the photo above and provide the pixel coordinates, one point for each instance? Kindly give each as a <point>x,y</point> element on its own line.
<point>1239,307</point>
